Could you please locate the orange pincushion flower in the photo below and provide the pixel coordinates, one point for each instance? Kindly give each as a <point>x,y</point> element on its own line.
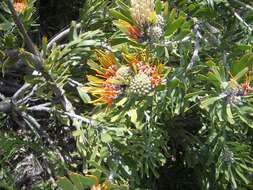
<point>20,5</point>
<point>101,85</point>
<point>112,80</point>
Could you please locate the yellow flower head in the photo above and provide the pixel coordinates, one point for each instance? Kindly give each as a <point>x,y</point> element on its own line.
<point>142,11</point>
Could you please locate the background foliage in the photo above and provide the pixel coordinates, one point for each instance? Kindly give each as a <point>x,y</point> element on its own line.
<point>193,132</point>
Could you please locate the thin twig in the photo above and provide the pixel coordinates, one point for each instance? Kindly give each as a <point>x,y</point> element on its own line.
<point>195,55</point>
<point>75,83</point>
<point>171,43</point>
<point>41,107</point>
<point>2,96</point>
<point>37,129</point>
<point>243,4</point>
<point>20,92</point>
<point>35,57</point>
<point>26,98</point>
<point>83,119</point>
<point>243,21</point>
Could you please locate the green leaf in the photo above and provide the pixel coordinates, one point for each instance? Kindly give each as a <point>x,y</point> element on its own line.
<point>229,114</point>
<point>158,7</point>
<point>119,15</point>
<point>241,74</point>
<point>122,101</point>
<point>174,83</point>
<point>174,26</point>
<point>207,102</point>
<point>84,96</point>
<point>232,177</point>
<point>166,10</point>
<point>122,5</point>
<point>106,138</point>
<point>249,169</point>
<point>243,63</point>
<point>77,133</point>
<point>88,181</point>
<point>65,184</point>
<point>246,181</point>
<point>133,115</point>
<point>244,118</point>
<point>75,178</point>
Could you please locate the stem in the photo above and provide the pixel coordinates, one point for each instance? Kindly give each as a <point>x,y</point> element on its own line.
<point>195,55</point>
<point>20,92</point>
<point>243,21</point>
<point>2,96</point>
<point>60,36</point>
<point>36,58</point>
<point>22,29</point>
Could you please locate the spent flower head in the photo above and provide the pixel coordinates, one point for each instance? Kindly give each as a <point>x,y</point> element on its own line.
<point>142,11</point>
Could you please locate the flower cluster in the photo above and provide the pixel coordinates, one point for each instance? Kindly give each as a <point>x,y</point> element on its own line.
<point>20,5</point>
<point>136,78</point>
<point>234,92</point>
<point>147,25</point>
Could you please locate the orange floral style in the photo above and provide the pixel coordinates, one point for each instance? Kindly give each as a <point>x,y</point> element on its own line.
<point>151,71</point>
<point>20,5</point>
<point>246,85</point>
<point>106,93</point>
<point>155,79</point>
<point>134,33</point>
<point>101,84</point>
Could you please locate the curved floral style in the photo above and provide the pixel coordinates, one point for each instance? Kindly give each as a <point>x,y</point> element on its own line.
<point>136,78</point>
<point>247,89</point>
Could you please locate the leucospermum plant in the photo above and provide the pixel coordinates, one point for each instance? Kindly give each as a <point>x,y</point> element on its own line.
<point>135,77</point>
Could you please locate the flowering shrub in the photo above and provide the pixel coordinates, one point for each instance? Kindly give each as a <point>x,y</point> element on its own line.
<point>139,94</point>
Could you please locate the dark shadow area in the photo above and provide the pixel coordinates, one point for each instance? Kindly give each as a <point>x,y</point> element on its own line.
<point>54,15</point>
